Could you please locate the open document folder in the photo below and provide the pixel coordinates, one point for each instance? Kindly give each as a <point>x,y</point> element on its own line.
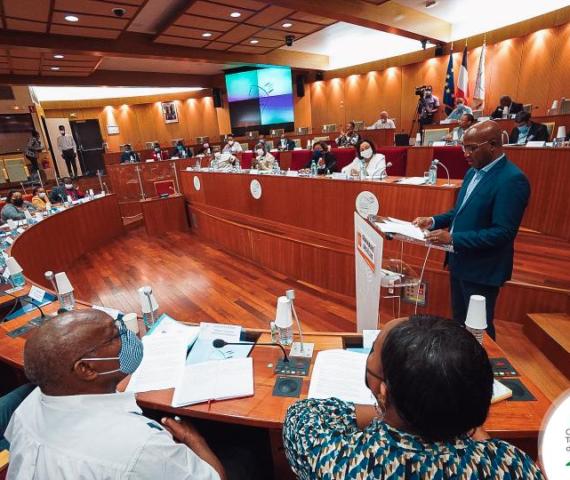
<point>215,380</point>
<point>340,374</point>
<point>401,227</point>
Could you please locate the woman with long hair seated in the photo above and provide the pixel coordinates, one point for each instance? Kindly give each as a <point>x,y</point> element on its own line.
<point>374,163</point>
<point>433,385</point>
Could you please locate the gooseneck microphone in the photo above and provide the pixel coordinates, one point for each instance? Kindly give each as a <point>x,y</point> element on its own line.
<point>24,299</point>
<point>437,163</point>
<point>219,343</point>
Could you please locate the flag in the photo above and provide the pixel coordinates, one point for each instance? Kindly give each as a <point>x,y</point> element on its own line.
<point>449,87</point>
<point>479,93</point>
<point>463,78</point>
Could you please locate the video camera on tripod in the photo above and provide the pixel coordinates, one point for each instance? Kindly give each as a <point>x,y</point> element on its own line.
<point>421,91</point>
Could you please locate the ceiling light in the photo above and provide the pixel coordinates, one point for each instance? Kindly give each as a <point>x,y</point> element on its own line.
<point>71,18</point>
<point>55,69</point>
<point>59,56</point>
<point>16,107</point>
<point>254,41</point>
<point>206,34</point>
<point>287,25</point>
<point>431,3</point>
<point>235,14</point>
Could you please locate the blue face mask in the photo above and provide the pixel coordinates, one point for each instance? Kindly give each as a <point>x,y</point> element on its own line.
<point>130,354</point>
<point>317,154</point>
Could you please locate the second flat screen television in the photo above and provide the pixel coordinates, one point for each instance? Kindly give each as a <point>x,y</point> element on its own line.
<point>260,99</point>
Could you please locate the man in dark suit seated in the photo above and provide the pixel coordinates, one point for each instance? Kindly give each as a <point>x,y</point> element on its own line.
<point>129,155</point>
<point>483,224</point>
<point>286,143</point>
<point>506,102</point>
<point>527,130</point>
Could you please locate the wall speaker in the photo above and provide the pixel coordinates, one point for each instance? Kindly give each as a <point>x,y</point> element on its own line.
<point>300,85</point>
<point>319,76</point>
<point>217,94</point>
<point>438,50</point>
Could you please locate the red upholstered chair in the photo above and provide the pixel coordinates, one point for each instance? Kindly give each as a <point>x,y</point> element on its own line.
<point>300,158</point>
<point>398,157</point>
<point>454,159</point>
<point>164,186</point>
<point>343,156</point>
<point>2,205</point>
<point>246,159</point>
<point>27,197</point>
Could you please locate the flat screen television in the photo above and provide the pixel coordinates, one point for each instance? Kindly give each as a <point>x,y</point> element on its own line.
<point>260,99</point>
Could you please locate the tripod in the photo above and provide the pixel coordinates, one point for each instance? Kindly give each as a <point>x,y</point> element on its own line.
<point>417,118</point>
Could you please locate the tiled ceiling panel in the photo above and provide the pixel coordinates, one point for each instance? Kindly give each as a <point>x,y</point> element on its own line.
<point>20,61</point>
<point>244,26</point>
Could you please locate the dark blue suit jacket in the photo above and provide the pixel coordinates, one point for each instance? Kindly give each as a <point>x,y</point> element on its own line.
<point>484,229</point>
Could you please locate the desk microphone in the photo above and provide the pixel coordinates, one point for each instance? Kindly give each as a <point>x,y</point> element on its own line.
<point>437,163</point>
<point>219,343</point>
<point>31,302</point>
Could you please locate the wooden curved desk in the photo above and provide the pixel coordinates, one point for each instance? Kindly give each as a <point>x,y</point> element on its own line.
<point>58,240</point>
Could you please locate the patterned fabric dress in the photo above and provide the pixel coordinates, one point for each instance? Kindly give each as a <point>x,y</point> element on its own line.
<point>322,441</point>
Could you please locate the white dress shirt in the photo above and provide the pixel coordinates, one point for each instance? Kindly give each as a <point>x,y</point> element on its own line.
<point>379,124</point>
<point>373,169</point>
<point>65,142</point>
<point>99,437</point>
<point>233,148</point>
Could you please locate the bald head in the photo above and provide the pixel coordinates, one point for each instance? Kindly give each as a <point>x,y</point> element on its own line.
<point>52,355</point>
<point>384,115</point>
<point>483,143</point>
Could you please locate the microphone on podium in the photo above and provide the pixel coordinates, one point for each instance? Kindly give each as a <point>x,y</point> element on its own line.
<point>219,343</point>
<point>437,163</point>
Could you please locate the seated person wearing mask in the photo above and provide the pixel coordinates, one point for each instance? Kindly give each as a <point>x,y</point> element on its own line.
<point>129,155</point>
<point>527,130</point>
<point>433,383</point>
<point>205,149</point>
<point>75,424</point>
<point>224,161</point>
<point>375,163</point>
<point>15,206</point>
<point>181,151</point>
<point>286,143</point>
<point>325,160</point>
<point>505,102</point>
<point>59,194</point>
<point>40,200</point>
<point>459,110</point>
<point>232,146</point>
<point>350,137</point>
<point>382,122</point>
<point>466,120</point>
<point>263,159</point>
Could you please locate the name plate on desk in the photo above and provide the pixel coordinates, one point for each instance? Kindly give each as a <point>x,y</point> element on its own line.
<point>339,176</point>
<point>292,173</point>
<point>254,171</point>
<point>536,144</point>
<point>439,144</point>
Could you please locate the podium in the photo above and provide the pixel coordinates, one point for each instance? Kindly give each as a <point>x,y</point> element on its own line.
<point>373,273</point>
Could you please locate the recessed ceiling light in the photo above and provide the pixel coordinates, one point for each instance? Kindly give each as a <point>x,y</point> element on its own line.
<point>55,69</point>
<point>206,34</point>
<point>431,3</point>
<point>71,18</point>
<point>15,107</point>
<point>59,56</point>
<point>254,41</point>
<point>235,14</point>
<point>287,25</point>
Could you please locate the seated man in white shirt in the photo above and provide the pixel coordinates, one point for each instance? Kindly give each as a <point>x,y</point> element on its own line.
<point>75,425</point>
<point>383,122</point>
<point>374,163</point>
<point>232,146</point>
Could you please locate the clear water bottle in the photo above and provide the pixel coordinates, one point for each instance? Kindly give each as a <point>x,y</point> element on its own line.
<point>433,174</point>
<point>362,170</point>
<point>67,301</point>
<point>198,164</point>
<point>313,168</point>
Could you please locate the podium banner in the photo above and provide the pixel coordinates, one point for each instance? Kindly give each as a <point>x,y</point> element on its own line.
<point>368,245</point>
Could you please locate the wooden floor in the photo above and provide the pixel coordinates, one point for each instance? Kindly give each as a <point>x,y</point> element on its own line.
<point>196,282</point>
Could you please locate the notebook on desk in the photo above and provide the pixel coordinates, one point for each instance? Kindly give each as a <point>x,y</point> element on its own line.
<point>215,380</point>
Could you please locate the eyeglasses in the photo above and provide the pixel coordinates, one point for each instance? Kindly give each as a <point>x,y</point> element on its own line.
<point>471,148</point>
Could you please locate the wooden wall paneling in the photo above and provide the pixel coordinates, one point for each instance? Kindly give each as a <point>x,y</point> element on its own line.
<point>319,107</point>
<point>560,74</point>
<point>163,215</point>
<point>535,73</point>
<point>336,102</point>
<point>302,105</point>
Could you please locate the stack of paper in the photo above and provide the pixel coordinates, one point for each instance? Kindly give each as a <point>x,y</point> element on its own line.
<point>164,354</point>
<point>412,181</point>
<point>217,380</point>
<point>340,374</point>
<point>391,225</point>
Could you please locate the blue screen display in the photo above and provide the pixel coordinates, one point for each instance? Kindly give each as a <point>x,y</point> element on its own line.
<point>264,95</point>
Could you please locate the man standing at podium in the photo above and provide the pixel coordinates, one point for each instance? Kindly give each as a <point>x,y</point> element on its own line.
<point>484,222</point>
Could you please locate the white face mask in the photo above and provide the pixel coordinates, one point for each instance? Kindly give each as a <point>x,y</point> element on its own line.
<point>230,142</point>
<point>367,153</point>
<point>69,186</point>
<point>259,151</point>
<point>42,195</point>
